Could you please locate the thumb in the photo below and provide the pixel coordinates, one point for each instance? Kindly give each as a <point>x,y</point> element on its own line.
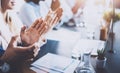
<point>23,29</point>
<point>30,48</point>
<point>26,49</point>
<point>13,39</point>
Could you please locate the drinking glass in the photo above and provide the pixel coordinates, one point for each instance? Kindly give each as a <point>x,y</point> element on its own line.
<point>85,64</point>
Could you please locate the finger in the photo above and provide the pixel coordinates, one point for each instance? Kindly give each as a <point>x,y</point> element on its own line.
<point>50,24</point>
<point>55,21</point>
<point>42,26</point>
<point>48,20</point>
<point>26,55</point>
<point>48,14</point>
<point>23,30</point>
<point>52,21</point>
<point>59,12</point>
<point>43,31</point>
<point>35,23</point>
<point>39,24</point>
<point>47,17</point>
<point>36,52</point>
<point>29,55</point>
<point>50,11</point>
<point>25,49</point>
<point>53,16</point>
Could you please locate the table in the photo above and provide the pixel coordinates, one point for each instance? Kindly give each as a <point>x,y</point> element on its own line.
<point>87,45</point>
<point>52,46</point>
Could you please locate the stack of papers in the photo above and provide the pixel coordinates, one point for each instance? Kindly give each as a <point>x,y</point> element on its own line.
<point>56,64</point>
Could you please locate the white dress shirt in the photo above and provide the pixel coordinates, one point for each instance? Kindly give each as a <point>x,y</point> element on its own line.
<point>29,12</point>
<point>6,33</point>
<point>67,13</point>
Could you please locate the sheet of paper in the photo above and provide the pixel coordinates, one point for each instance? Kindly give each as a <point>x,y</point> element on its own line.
<point>86,45</point>
<point>53,62</point>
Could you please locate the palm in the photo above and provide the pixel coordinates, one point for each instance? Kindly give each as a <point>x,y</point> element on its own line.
<point>32,34</point>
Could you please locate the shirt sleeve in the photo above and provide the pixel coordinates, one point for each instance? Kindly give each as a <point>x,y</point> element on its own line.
<point>3,43</point>
<point>27,15</point>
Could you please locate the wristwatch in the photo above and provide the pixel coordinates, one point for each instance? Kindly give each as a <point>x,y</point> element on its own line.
<point>4,67</point>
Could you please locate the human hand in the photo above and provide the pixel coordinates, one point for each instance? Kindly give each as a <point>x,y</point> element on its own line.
<point>16,53</point>
<point>31,35</point>
<point>53,17</point>
<point>55,4</point>
<point>40,27</point>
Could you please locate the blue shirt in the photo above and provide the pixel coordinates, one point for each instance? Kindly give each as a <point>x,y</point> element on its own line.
<point>1,51</point>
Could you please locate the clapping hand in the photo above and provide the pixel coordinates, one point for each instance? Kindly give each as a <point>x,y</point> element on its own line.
<point>31,35</point>
<point>16,53</point>
<point>40,27</point>
<point>53,17</point>
<point>55,4</point>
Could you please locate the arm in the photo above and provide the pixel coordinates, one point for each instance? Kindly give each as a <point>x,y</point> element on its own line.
<point>15,55</point>
<point>3,43</point>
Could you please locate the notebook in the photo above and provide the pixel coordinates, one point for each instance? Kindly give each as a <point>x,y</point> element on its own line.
<point>55,64</point>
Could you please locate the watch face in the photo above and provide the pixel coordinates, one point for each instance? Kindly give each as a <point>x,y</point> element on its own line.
<point>5,67</point>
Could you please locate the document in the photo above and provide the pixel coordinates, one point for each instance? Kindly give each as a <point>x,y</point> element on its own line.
<point>86,45</point>
<point>51,62</point>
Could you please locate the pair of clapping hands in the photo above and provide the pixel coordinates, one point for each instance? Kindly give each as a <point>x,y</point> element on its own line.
<point>40,27</point>
<point>30,36</point>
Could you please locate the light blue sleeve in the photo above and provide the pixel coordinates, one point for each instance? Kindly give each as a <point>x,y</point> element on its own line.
<point>1,51</point>
<point>27,14</point>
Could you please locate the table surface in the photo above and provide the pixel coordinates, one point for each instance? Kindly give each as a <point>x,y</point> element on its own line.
<point>53,47</point>
<point>65,47</point>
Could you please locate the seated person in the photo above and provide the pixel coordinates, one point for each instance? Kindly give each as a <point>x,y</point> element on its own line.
<point>67,13</point>
<point>33,9</point>
<point>30,11</point>
<point>76,7</point>
<point>47,5</point>
<point>53,5</point>
<point>11,26</point>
